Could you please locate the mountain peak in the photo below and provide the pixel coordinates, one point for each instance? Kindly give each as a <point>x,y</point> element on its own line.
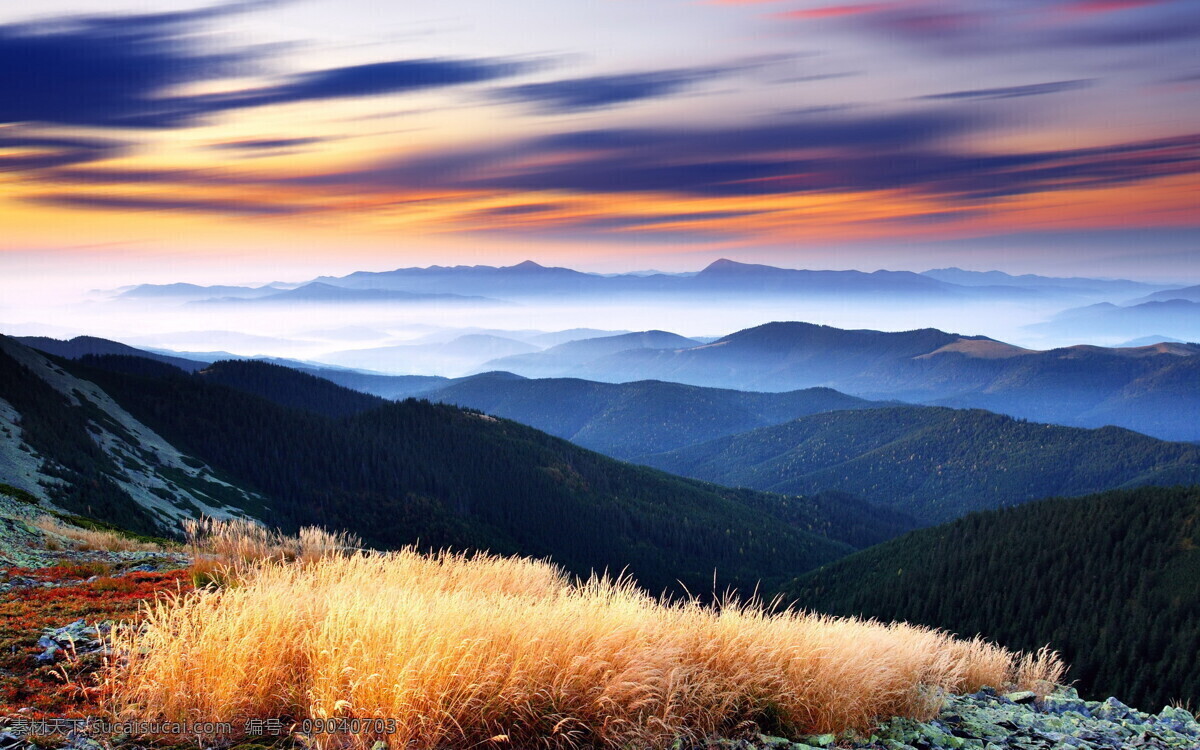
<point>725,264</point>
<point>526,265</point>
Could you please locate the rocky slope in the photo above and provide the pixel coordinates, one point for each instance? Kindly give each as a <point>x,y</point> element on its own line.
<point>69,445</point>
<point>1019,721</point>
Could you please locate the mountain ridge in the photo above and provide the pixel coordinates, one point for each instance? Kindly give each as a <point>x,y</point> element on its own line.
<point>529,278</point>
<point>630,419</point>
<point>932,462</point>
<point>1075,386</point>
<point>317,292</point>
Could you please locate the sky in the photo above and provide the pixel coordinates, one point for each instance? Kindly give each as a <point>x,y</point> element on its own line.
<point>258,140</point>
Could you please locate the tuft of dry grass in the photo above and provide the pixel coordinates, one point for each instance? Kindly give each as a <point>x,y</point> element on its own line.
<point>227,549</point>
<point>59,534</point>
<point>459,650</point>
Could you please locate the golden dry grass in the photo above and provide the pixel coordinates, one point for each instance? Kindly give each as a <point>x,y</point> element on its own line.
<point>58,533</point>
<point>224,549</point>
<point>463,650</point>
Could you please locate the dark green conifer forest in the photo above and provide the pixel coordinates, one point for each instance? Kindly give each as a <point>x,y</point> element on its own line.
<point>1112,581</point>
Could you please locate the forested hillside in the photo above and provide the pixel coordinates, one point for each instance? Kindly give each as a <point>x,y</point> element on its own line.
<point>289,387</point>
<point>632,419</point>
<point>1112,581</point>
<point>933,462</point>
<point>415,471</point>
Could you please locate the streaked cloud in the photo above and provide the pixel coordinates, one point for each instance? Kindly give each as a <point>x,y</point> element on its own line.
<point>21,153</point>
<point>268,144</point>
<point>596,92</point>
<point>371,79</point>
<point>1013,92</point>
<point>1108,6</point>
<point>134,203</point>
<point>520,209</point>
<point>835,11</point>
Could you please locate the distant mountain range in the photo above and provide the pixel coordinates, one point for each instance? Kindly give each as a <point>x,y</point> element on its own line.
<point>1111,581</point>
<point>529,280</point>
<point>183,292</point>
<point>932,462</point>
<point>1149,341</point>
<point>1189,293</point>
<point>1082,287</point>
<point>1104,320</point>
<point>320,293</point>
<point>1149,389</point>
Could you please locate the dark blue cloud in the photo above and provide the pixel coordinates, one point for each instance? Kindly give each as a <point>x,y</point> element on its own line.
<point>596,92</point>
<point>371,79</point>
<point>268,144</point>
<point>36,152</point>
<point>522,209</point>
<point>119,70</point>
<point>113,176</point>
<point>895,131</point>
<point>106,71</point>
<point>1012,92</point>
<point>128,203</point>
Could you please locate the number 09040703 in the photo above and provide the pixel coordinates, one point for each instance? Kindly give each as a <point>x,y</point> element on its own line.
<point>348,726</point>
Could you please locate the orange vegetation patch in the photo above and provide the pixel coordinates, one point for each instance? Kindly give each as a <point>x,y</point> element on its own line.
<point>64,688</point>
